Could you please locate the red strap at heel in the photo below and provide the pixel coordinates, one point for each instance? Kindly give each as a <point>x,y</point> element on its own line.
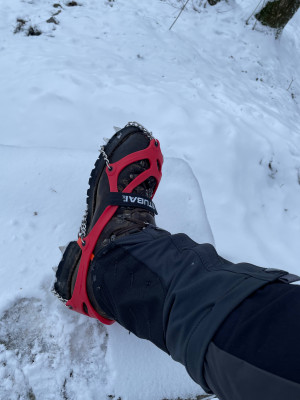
<point>79,301</point>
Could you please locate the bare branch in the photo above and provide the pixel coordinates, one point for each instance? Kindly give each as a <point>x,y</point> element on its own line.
<point>183,7</point>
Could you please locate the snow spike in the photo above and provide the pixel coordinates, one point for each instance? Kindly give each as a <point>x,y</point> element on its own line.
<point>62,249</point>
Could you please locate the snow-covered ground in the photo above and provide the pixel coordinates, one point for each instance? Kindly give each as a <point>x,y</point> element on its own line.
<point>224,101</point>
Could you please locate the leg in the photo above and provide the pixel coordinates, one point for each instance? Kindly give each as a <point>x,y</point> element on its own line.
<point>165,288</point>
<point>258,346</point>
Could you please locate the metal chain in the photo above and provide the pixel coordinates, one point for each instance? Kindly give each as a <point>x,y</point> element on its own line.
<point>142,128</point>
<point>102,151</point>
<point>82,229</point>
<point>83,226</point>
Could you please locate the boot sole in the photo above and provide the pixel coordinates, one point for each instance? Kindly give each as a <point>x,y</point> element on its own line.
<point>72,254</point>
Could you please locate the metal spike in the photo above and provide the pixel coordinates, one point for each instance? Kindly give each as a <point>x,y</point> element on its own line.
<point>62,249</point>
<point>117,129</point>
<point>106,140</point>
<point>58,296</point>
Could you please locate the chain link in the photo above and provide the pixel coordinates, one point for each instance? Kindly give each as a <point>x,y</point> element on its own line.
<point>102,151</point>
<point>82,229</point>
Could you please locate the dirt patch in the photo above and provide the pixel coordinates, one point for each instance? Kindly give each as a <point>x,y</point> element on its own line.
<point>20,25</point>
<point>72,4</point>
<point>52,20</point>
<point>33,31</point>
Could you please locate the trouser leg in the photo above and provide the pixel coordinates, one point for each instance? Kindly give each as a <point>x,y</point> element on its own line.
<point>175,293</point>
<point>256,351</point>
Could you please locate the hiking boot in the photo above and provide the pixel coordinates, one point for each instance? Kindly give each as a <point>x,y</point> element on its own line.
<point>119,202</point>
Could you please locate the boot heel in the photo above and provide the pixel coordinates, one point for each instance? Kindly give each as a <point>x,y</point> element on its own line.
<point>65,270</point>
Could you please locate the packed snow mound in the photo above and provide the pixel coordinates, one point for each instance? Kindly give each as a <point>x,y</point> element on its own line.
<point>180,194</point>
<point>223,100</point>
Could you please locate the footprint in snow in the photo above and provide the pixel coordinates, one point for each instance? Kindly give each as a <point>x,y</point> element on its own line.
<point>50,355</point>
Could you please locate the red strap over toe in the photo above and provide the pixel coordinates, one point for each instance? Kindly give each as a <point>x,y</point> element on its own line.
<point>79,301</point>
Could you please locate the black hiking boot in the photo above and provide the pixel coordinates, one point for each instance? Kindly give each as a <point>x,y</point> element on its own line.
<point>118,204</point>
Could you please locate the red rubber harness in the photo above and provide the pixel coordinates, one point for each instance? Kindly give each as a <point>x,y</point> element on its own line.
<point>79,301</point>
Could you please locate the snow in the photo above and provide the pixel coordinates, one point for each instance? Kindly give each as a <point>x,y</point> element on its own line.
<point>223,100</point>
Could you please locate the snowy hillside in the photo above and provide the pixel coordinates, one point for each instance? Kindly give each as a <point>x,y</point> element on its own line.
<point>224,101</point>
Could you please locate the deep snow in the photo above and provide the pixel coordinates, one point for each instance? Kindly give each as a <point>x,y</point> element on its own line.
<point>224,101</point>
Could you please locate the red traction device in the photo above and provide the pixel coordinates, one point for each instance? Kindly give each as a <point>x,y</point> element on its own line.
<point>79,301</point>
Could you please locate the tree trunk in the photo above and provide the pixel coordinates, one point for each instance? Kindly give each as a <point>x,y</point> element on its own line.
<point>276,14</point>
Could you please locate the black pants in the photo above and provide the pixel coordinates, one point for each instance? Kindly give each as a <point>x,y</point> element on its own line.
<point>236,328</point>
<point>256,351</point>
